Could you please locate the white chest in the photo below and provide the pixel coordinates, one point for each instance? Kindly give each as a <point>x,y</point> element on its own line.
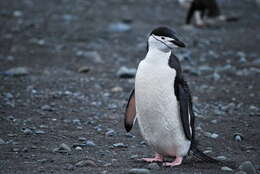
<point>157,107</point>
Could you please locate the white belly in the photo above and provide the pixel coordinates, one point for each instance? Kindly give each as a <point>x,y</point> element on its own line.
<point>158,110</point>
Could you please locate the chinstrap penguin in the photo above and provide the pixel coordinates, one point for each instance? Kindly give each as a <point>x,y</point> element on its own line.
<point>161,102</point>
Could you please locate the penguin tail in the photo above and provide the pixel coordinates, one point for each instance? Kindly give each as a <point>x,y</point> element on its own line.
<point>203,157</point>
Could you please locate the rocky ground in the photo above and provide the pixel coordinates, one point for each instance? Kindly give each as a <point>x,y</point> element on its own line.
<point>62,100</point>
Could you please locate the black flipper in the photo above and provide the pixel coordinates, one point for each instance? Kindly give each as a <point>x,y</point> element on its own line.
<point>130,112</point>
<point>186,112</point>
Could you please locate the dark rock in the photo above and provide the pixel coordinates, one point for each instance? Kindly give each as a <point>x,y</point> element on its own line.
<point>248,167</point>
<point>69,167</point>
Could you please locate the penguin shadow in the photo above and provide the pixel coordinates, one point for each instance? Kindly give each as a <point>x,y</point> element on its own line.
<point>189,162</point>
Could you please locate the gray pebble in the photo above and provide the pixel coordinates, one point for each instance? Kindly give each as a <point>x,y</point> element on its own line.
<point>69,167</point>
<point>82,139</point>
<point>125,72</point>
<point>248,167</point>
<point>62,148</point>
<point>2,141</point>
<point>211,135</point>
<point>46,108</point>
<point>120,145</point>
<point>226,169</point>
<point>240,172</point>
<point>40,132</point>
<point>85,163</point>
<point>133,156</point>
<point>111,132</point>
<point>139,171</point>
<point>221,158</point>
<point>18,71</point>
<point>119,27</point>
<point>90,143</point>
<point>78,148</point>
<point>153,166</point>
<point>238,137</point>
<point>27,131</point>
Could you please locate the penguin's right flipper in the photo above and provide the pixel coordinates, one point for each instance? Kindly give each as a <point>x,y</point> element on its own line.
<point>130,112</point>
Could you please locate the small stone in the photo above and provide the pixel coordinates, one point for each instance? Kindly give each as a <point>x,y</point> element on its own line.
<point>46,108</point>
<point>76,121</point>
<point>117,89</point>
<point>153,166</point>
<point>82,139</point>
<point>125,72</point>
<point>104,172</point>
<point>120,145</point>
<point>110,133</point>
<point>40,132</point>
<point>240,172</point>
<point>85,163</point>
<point>107,164</point>
<point>90,143</point>
<point>119,27</point>
<point>139,171</point>
<point>214,121</point>
<point>63,148</point>
<point>84,69</point>
<point>78,148</point>
<point>27,131</point>
<point>238,137</point>
<point>133,156</point>
<point>216,76</point>
<point>17,13</point>
<point>211,135</point>
<point>18,71</point>
<point>69,167</point>
<point>226,169</point>
<point>15,149</point>
<point>221,158</point>
<point>90,55</point>
<point>248,167</point>
<point>2,141</point>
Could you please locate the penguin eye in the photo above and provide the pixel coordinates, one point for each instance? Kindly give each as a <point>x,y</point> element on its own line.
<point>163,38</point>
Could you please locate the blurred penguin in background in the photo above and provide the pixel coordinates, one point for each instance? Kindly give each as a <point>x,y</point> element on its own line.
<point>201,8</point>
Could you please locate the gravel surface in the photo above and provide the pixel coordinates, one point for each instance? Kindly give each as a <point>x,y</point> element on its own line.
<point>67,69</point>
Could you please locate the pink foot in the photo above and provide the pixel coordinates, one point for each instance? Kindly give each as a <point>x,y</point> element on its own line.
<point>157,158</point>
<point>176,162</point>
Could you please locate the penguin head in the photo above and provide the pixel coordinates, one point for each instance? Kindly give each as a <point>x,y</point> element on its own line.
<point>164,39</point>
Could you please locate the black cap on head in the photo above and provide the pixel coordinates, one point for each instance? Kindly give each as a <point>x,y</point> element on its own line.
<point>167,32</point>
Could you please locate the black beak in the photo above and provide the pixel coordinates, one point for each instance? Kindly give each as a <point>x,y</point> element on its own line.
<point>178,43</point>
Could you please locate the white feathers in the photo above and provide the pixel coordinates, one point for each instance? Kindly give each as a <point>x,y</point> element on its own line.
<point>157,107</point>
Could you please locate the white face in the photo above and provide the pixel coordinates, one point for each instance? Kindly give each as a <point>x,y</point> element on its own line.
<point>161,42</point>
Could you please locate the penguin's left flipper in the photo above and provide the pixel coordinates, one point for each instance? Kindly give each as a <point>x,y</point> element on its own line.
<point>130,112</point>
<point>186,112</point>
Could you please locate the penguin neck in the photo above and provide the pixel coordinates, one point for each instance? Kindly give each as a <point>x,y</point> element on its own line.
<point>157,57</point>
